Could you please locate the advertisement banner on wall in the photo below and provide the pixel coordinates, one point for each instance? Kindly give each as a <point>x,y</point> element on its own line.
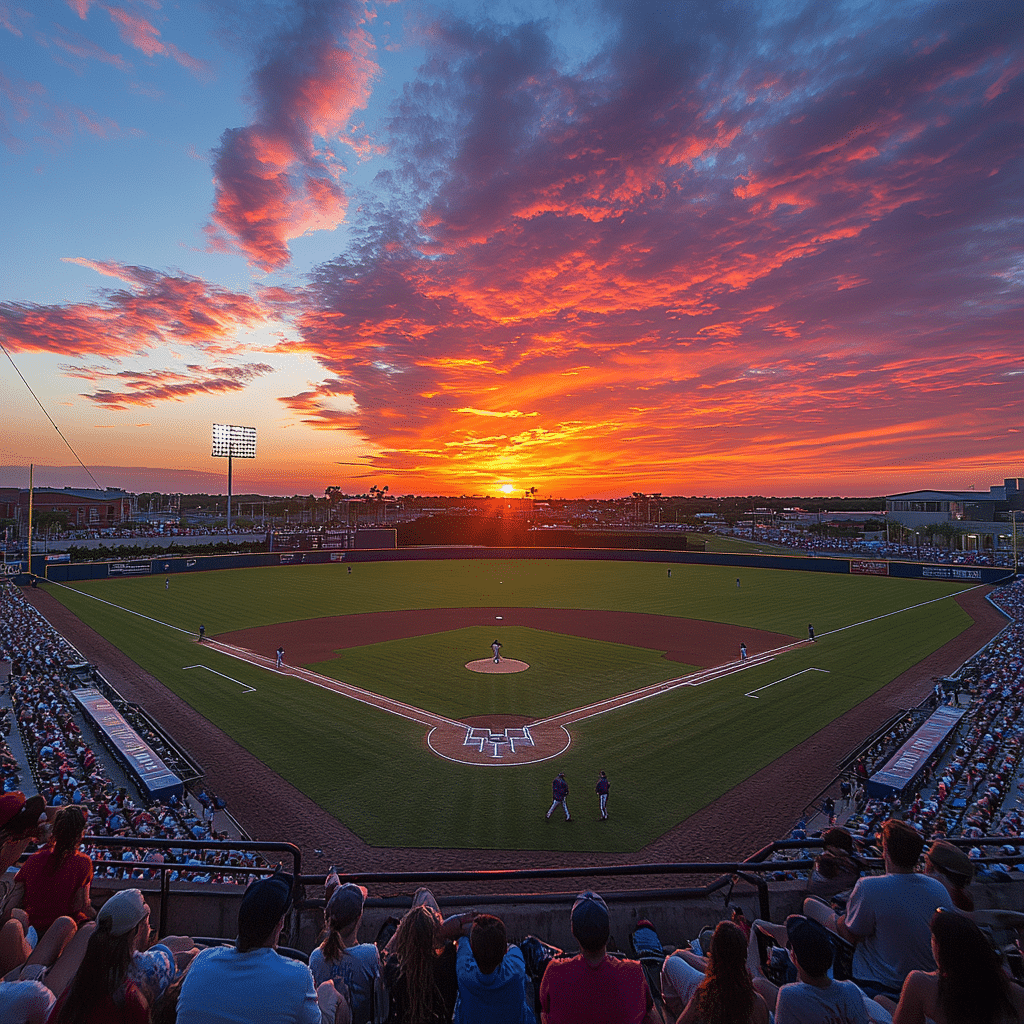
<point>869,567</point>
<point>137,567</point>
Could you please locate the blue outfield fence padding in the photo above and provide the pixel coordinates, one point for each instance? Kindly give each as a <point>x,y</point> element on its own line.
<point>170,565</point>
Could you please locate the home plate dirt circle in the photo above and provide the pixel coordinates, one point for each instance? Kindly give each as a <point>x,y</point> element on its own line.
<point>490,666</point>
<point>498,741</point>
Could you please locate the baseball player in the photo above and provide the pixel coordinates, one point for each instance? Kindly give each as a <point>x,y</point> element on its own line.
<point>559,793</point>
<point>601,789</point>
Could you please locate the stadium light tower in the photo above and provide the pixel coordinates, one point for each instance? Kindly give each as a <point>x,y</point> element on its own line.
<point>233,442</point>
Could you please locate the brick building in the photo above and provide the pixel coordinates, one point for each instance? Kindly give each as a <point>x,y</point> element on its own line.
<point>85,508</point>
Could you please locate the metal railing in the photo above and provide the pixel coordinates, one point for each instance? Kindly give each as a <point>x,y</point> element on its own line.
<point>751,871</point>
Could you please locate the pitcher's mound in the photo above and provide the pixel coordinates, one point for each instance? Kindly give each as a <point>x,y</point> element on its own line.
<point>505,665</point>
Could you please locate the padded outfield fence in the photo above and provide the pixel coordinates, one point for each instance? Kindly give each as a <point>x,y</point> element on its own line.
<point>64,572</point>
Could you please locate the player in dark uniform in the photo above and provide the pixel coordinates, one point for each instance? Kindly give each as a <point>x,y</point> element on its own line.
<point>601,789</point>
<point>559,792</point>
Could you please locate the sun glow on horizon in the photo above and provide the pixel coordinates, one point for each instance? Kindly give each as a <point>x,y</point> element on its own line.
<point>507,488</point>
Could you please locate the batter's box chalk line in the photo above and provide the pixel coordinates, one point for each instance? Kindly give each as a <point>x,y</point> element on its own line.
<point>768,686</point>
<point>480,737</point>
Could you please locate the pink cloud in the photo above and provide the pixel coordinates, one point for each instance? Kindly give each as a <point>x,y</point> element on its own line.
<point>276,179</point>
<point>136,31</point>
<point>155,309</point>
<point>151,387</point>
<point>78,46</point>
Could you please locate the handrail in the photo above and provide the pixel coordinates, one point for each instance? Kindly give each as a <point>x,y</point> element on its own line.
<point>751,871</point>
<point>165,869</point>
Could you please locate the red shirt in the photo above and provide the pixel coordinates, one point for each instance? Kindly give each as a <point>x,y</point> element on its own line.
<point>129,1008</point>
<point>49,895</point>
<point>613,992</point>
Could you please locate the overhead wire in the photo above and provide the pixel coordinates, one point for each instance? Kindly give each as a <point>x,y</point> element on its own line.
<point>48,416</point>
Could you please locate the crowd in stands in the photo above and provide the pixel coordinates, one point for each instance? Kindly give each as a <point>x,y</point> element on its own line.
<point>973,787</point>
<point>923,552</point>
<point>901,951</point>
<point>68,770</point>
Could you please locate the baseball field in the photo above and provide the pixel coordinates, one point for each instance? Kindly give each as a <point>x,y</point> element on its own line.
<point>376,716</point>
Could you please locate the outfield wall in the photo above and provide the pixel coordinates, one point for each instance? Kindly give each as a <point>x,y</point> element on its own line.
<point>169,566</point>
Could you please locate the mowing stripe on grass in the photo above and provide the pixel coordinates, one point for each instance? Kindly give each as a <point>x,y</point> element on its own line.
<point>753,693</point>
<point>248,688</point>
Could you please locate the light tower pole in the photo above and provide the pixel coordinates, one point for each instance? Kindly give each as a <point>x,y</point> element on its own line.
<point>233,442</point>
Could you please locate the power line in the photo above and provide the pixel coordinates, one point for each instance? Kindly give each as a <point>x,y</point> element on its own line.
<point>48,416</point>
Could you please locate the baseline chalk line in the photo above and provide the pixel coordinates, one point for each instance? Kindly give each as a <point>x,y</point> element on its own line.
<point>753,693</point>
<point>248,688</point>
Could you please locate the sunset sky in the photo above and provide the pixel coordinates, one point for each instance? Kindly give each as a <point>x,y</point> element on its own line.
<point>587,247</point>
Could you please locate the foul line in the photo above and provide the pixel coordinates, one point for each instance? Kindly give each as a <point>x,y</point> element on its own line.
<point>827,672</point>
<point>248,688</point>
<point>120,607</point>
<point>395,707</point>
<point>900,611</point>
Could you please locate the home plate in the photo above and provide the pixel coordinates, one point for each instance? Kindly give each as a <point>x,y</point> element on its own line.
<point>489,665</point>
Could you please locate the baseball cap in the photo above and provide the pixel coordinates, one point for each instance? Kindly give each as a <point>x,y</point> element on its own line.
<point>811,944</point>
<point>589,920</point>
<point>18,814</point>
<point>265,902</point>
<point>346,904</point>
<point>950,859</point>
<point>124,910</point>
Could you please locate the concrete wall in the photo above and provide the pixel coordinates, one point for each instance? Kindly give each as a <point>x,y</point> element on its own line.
<point>213,910</point>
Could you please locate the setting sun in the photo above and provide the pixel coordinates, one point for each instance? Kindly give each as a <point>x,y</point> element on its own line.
<point>507,488</point>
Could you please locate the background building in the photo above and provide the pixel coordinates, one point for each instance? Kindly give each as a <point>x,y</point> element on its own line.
<point>984,520</point>
<point>82,508</point>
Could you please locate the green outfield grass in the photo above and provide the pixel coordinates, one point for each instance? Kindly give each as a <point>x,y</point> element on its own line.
<point>666,757</point>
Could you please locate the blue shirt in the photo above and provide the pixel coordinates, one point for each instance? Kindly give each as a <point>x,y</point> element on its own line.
<point>498,996</point>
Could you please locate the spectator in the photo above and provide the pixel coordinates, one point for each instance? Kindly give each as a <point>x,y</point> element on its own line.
<point>594,986</point>
<point>681,973</point>
<point>726,995</point>
<point>25,1002</point>
<point>251,981</point>
<point>51,965</point>
<point>19,825</point>
<point>814,998</point>
<point>967,988</point>
<point>953,868</point>
<point>54,882</point>
<point>342,956</point>
<point>102,989</point>
<point>419,968</point>
<point>492,977</point>
<point>153,969</point>
<point>887,916</point>
<point>835,868</point>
